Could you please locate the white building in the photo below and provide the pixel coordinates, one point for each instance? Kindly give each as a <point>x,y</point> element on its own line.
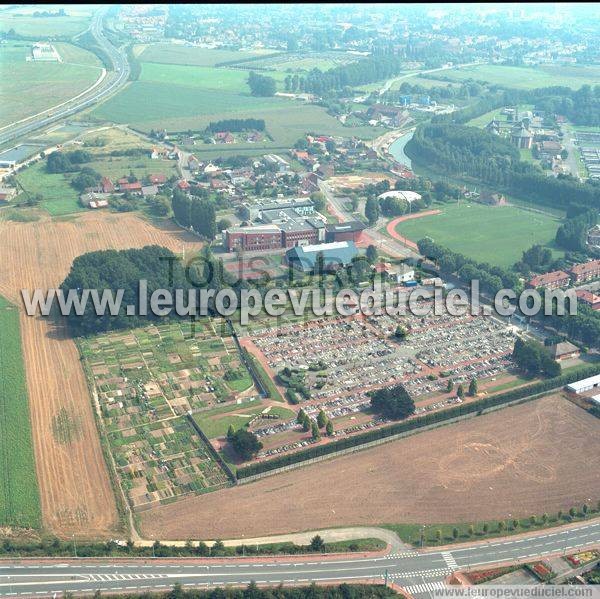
<point>585,384</point>
<point>407,196</point>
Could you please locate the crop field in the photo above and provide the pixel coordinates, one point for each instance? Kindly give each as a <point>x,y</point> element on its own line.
<point>180,97</point>
<point>192,55</point>
<point>526,77</point>
<point>32,80</point>
<point>304,61</point>
<point>21,19</point>
<point>19,495</point>
<point>75,489</point>
<point>480,469</point>
<point>497,234</point>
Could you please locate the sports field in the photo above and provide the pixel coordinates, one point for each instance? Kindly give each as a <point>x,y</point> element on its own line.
<point>497,234</point>
<point>44,84</point>
<point>526,77</point>
<point>19,495</point>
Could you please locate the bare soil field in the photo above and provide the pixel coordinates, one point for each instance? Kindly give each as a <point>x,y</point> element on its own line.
<point>76,494</point>
<point>529,459</point>
<point>359,181</point>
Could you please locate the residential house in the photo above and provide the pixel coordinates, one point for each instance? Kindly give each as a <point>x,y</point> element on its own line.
<point>149,191</point>
<point>7,194</point>
<point>550,280</point>
<point>224,137</point>
<point>564,351</point>
<point>159,179</point>
<point>585,271</point>
<point>589,298</point>
<point>107,185</point>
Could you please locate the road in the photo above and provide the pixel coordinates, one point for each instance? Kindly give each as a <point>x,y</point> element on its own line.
<point>382,242</point>
<point>418,572</point>
<point>111,83</point>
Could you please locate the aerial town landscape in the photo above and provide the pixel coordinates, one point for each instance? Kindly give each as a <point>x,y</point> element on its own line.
<point>299,300</point>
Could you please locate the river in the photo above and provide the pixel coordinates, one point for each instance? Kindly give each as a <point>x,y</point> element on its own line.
<point>396,149</point>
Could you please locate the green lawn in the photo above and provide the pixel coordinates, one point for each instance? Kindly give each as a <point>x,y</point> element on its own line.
<point>19,497</point>
<point>525,77</point>
<point>41,84</point>
<point>215,423</point>
<point>497,235</point>
<point>194,56</point>
<point>59,197</point>
<point>116,167</point>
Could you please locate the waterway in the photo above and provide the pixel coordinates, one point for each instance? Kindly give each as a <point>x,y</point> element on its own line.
<point>396,149</point>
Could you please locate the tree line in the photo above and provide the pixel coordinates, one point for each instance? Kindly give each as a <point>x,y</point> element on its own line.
<point>460,150</point>
<point>383,432</point>
<point>236,125</point>
<point>196,213</point>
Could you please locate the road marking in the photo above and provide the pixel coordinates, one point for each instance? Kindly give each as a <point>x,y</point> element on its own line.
<point>450,561</point>
<point>424,587</point>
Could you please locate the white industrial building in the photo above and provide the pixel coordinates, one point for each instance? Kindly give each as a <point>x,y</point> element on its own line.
<point>585,384</point>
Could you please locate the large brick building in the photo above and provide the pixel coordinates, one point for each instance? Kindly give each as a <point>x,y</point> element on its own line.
<point>551,280</point>
<point>257,238</point>
<point>585,271</point>
<point>349,231</point>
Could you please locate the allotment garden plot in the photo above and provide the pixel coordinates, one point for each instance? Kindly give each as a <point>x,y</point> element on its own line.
<point>147,382</point>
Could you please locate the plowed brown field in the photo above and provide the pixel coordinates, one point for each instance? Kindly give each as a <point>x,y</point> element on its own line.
<point>75,490</point>
<point>529,459</point>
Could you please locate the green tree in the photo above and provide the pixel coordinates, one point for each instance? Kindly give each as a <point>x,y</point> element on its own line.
<point>455,533</point>
<point>372,210</point>
<point>460,391</point>
<point>471,530</point>
<point>314,431</point>
<point>317,543</point>
<point>515,524</point>
<point>260,85</point>
<point>319,200</point>
<point>486,528</point>
<point>438,535</point>
<point>392,402</point>
<point>329,428</point>
<point>473,387</point>
<point>449,386</point>
<point>322,419</point>
<point>371,254</point>
<point>245,443</point>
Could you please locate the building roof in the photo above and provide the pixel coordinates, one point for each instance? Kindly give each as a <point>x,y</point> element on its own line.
<point>588,297</point>
<point>586,267</point>
<point>563,348</point>
<point>549,278</point>
<point>259,229</point>
<point>334,254</point>
<point>584,384</point>
<point>407,196</point>
<point>348,227</point>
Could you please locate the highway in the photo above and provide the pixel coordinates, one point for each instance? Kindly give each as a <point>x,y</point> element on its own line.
<point>111,83</point>
<point>418,572</point>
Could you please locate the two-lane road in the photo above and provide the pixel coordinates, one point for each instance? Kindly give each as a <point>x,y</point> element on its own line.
<point>418,572</point>
<point>114,79</point>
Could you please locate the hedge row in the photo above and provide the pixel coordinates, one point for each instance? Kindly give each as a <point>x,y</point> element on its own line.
<point>420,422</point>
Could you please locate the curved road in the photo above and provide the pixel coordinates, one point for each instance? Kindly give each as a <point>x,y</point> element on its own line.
<point>418,572</point>
<point>112,82</point>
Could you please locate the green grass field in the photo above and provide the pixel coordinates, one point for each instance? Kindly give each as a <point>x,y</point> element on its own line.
<point>43,27</point>
<point>525,77</point>
<point>215,423</point>
<point>178,107</point>
<point>42,84</point>
<point>193,56</point>
<point>59,197</point>
<point>497,235</point>
<point>19,497</point>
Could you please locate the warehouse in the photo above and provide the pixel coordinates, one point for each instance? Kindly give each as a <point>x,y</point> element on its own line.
<point>585,384</point>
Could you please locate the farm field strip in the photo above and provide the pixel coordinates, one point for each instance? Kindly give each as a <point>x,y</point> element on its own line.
<point>75,490</point>
<point>19,495</point>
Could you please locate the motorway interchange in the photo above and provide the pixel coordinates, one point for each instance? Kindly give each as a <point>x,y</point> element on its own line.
<point>417,572</point>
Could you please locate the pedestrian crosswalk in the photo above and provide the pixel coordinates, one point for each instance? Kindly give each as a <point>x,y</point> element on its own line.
<point>437,573</point>
<point>402,554</point>
<point>449,559</point>
<point>115,576</point>
<point>424,587</point>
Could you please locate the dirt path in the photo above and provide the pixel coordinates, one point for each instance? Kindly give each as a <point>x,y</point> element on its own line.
<point>76,494</point>
<point>391,227</point>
